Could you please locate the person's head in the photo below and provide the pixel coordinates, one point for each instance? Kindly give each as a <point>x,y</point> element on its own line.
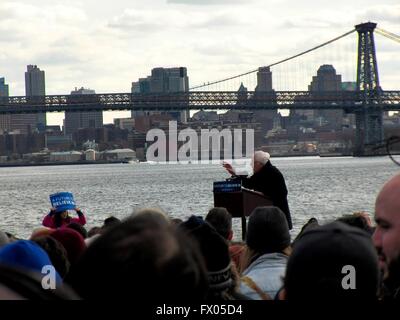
<point>144,259</point>
<point>357,221</point>
<point>176,221</point>
<point>63,214</point>
<point>11,237</point>
<point>221,220</point>
<point>332,262</point>
<point>259,160</point>
<point>3,238</point>
<point>110,221</point>
<point>93,231</point>
<point>59,218</point>
<point>79,228</point>
<point>214,249</point>
<point>25,255</point>
<point>56,252</point>
<point>365,216</point>
<point>310,224</point>
<point>41,232</point>
<point>267,230</point>
<point>18,284</point>
<point>386,237</point>
<point>154,214</point>
<point>72,241</point>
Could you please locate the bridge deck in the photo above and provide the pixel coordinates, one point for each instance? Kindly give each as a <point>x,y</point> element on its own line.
<point>350,101</point>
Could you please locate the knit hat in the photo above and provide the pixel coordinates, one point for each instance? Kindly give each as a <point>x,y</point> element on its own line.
<point>267,230</point>
<point>315,269</point>
<point>72,241</point>
<point>192,223</point>
<point>25,255</point>
<point>215,251</point>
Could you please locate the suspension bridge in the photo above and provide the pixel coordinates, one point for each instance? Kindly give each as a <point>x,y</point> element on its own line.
<point>367,102</point>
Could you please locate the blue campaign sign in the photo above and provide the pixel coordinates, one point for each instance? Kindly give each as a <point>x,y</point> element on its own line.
<point>227,186</point>
<point>62,201</point>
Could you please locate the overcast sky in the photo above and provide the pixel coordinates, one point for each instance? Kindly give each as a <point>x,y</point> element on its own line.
<point>105,45</point>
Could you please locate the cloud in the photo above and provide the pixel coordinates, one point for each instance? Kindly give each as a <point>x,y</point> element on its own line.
<point>208,2</point>
<point>382,14</point>
<point>310,23</point>
<point>10,11</point>
<point>58,56</point>
<point>106,47</point>
<point>138,21</point>
<point>143,22</point>
<point>217,21</point>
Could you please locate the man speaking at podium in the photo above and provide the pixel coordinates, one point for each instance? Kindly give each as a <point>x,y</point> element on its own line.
<point>266,179</point>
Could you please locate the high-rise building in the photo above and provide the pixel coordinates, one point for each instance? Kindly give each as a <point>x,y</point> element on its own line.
<point>264,85</point>
<point>327,80</point>
<point>34,81</point>
<point>264,80</point>
<point>141,86</point>
<point>3,88</point>
<point>76,120</point>
<point>34,87</point>
<point>163,80</point>
<point>5,119</point>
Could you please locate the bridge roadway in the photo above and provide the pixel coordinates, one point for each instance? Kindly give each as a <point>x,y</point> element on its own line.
<point>349,101</point>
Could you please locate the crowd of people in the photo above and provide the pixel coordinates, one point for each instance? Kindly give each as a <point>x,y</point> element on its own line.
<point>151,257</point>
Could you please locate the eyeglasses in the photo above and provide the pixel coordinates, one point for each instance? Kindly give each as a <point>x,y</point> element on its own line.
<point>392,147</point>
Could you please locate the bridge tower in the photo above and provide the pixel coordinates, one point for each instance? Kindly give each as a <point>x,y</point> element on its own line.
<point>369,127</point>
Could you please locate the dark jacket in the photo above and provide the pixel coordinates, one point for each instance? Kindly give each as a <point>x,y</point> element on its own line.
<point>270,181</point>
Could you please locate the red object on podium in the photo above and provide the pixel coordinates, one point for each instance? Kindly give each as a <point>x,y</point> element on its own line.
<point>239,201</point>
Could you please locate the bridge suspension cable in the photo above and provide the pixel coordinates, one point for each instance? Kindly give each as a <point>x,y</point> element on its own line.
<point>388,34</point>
<point>275,63</point>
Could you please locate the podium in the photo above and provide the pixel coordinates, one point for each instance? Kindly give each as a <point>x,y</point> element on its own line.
<point>239,201</point>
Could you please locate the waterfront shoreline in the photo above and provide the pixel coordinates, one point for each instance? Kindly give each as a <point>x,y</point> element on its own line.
<point>88,162</point>
<point>59,163</point>
<point>63,163</point>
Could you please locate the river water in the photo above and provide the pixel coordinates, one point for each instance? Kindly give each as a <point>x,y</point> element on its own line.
<point>324,188</point>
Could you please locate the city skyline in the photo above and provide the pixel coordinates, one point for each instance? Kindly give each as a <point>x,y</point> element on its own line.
<point>106,47</point>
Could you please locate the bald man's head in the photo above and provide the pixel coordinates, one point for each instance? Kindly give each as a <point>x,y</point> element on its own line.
<point>387,216</point>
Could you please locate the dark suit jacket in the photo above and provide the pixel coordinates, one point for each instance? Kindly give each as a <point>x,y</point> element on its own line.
<point>270,181</point>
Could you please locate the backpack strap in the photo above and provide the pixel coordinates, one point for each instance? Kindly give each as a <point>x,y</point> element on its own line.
<point>250,283</point>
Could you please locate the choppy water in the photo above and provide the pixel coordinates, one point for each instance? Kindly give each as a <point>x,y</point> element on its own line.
<point>321,187</point>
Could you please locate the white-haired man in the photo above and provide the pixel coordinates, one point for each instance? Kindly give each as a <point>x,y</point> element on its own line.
<point>267,179</point>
